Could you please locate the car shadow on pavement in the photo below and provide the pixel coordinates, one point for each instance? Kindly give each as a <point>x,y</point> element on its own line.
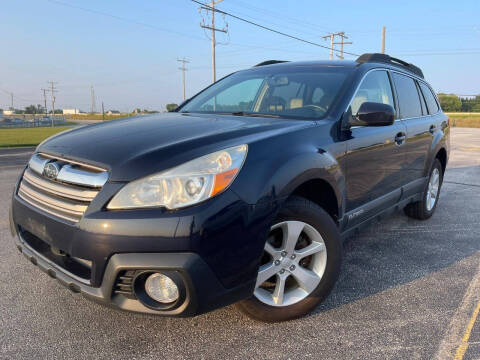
<point>398,250</point>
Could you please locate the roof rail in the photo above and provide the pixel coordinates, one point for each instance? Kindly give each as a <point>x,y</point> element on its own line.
<point>383,58</point>
<point>270,62</point>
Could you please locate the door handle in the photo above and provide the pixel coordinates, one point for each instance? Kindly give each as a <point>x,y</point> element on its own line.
<point>400,138</point>
<point>432,129</point>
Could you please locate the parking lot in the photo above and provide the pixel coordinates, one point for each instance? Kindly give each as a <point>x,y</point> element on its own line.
<point>408,290</point>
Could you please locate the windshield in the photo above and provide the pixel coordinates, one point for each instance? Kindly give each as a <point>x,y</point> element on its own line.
<point>283,91</point>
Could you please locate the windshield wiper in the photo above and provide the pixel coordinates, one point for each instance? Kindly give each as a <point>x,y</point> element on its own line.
<point>243,113</point>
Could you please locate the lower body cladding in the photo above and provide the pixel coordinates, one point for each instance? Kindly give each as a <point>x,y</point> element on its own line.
<point>182,280</point>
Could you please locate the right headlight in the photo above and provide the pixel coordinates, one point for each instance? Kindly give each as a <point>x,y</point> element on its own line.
<point>184,185</point>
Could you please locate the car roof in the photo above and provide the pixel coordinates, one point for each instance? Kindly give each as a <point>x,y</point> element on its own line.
<point>369,60</point>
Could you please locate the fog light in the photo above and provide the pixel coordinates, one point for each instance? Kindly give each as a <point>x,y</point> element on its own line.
<point>161,288</point>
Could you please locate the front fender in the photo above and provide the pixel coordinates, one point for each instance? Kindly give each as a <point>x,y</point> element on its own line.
<point>276,182</point>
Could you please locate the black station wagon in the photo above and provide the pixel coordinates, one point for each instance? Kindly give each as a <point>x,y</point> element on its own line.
<point>243,194</point>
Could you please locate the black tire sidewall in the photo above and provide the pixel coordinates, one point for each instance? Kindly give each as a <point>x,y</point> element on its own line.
<point>303,210</point>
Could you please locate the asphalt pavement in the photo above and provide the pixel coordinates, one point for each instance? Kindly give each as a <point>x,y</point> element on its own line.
<point>408,290</point>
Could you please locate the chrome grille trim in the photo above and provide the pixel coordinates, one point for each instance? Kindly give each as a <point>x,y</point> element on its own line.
<point>37,163</point>
<point>88,166</point>
<point>72,175</point>
<point>70,210</point>
<point>73,172</point>
<point>59,189</point>
<point>68,195</point>
<point>24,196</point>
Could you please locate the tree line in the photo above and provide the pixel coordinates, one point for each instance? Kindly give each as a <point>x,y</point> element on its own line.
<point>453,103</point>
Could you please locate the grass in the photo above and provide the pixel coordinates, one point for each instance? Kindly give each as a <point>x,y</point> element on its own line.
<point>468,120</point>
<point>27,136</point>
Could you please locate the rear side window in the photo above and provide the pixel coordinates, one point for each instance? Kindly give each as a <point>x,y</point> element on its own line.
<point>408,97</point>
<point>374,88</point>
<point>430,99</point>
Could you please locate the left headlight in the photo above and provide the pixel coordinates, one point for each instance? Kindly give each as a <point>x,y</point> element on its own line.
<point>184,185</point>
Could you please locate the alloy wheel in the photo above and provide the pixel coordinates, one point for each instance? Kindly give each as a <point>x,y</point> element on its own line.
<point>294,261</point>
<point>433,187</point>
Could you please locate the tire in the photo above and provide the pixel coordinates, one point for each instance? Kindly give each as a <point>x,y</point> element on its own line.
<point>315,256</point>
<point>424,209</point>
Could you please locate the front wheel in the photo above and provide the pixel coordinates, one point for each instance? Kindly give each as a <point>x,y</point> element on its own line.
<point>300,264</point>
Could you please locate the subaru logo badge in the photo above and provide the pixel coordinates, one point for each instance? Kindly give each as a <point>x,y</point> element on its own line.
<point>51,170</point>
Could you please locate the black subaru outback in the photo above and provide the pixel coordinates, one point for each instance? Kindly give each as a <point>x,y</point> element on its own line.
<point>243,194</point>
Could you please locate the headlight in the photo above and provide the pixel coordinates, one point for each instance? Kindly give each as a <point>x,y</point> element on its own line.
<point>184,185</point>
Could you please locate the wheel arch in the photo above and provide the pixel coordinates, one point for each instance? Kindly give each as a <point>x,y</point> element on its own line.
<point>322,193</point>
<point>441,155</point>
<point>319,180</point>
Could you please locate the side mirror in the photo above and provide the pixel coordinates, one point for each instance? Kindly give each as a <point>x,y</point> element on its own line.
<point>374,114</point>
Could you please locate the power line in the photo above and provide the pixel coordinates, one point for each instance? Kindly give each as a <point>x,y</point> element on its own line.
<point>269,29</point>
<point>276,14</point>
<point>120,18</point>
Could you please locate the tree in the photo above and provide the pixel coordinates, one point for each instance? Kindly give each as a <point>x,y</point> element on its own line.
<point>450,102</point>
<point>171,107</point>
<point>32,109</point>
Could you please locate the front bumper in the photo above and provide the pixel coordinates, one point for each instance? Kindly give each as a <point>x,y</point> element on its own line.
<point>192,268</point>
<point>215,247</point>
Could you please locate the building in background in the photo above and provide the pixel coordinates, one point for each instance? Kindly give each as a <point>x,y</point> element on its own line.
<point>71,111</point>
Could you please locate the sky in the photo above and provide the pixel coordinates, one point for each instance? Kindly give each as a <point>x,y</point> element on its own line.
<point>128,50</point>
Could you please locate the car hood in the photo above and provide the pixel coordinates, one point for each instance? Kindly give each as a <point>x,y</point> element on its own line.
<point>139,146</point>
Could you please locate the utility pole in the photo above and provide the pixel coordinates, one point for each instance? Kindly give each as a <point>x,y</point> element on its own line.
<point>383,39</point>
<point>211,7</point>
<point>332,38</point>
<point>342,43</point>
<point>53,91</point>
<point>183,61</point>
<point>45,100</point>
<point>93,108</point>
<point>103,112</point>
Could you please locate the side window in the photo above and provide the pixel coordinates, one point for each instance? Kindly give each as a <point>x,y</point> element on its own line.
<point>408,98</point>
<point>375,87</point>
<point>422,100</point>
<point>430,99</point>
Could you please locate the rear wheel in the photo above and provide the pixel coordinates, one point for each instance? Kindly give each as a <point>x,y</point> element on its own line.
<point>300,264</point>
<point>424,209</point>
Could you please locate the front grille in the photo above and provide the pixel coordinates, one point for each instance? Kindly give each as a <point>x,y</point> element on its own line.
<point>66,195</point>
